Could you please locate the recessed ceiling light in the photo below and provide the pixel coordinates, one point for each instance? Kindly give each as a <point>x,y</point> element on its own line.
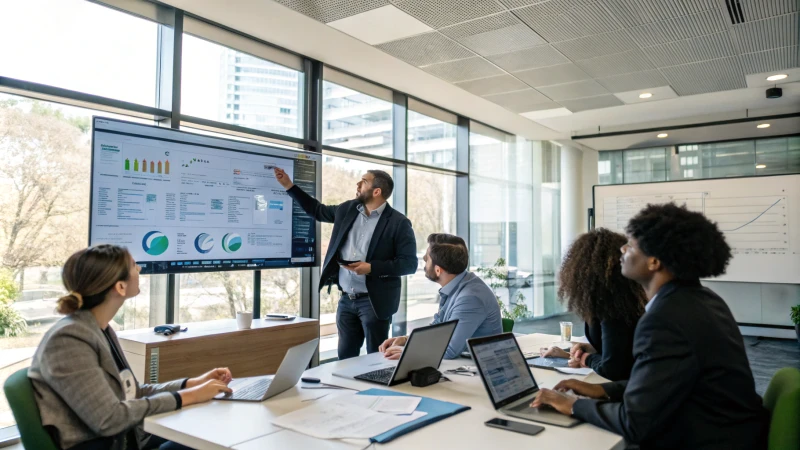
<point>662,135</point>
<point>780,76</point>
<point>645,95</point>
<point>762,125</point>
<point>761,166</point>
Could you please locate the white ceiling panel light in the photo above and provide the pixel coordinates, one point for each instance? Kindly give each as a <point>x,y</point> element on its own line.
<point>768,79</point>
<point>781,76</point>
<point>662,135</point>
<point>762,125</point>
<point>547,113</point>
<point>381,25</point>
<point>651,94</point>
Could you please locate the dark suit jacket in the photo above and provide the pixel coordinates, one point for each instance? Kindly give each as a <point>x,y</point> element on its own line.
<point>691,386</point>
<point>392,250</point>
<point>613,340</point>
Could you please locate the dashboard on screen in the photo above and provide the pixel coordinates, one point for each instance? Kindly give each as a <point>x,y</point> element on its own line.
<point>183,202</point>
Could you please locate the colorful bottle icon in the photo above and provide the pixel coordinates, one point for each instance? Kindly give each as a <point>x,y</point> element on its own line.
<point>127,164</point>
<point>135,165</point>
<point>152,167</point>
<point>144,165</point>
<point>166,167</point>
<point>159,167</point>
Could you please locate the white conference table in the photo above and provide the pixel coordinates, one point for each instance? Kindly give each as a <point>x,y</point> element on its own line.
<point>247,426</point>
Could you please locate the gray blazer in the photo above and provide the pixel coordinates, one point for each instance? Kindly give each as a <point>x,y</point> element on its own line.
<point>78,388</point>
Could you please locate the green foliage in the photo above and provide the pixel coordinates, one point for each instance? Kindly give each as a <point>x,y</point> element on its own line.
<point>497,278</point>
<point>9,289</point>
<point>796,314</point>
<point>11,322</point>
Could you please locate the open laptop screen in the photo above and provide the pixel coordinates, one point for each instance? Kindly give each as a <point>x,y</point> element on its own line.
<point>503,368</point>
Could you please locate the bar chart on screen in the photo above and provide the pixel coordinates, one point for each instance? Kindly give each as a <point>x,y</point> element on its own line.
<point>759,216</point>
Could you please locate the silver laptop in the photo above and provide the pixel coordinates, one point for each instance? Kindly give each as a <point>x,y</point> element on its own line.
<point>426,347</point>
<point>257,389</point>
<point>509,381</point>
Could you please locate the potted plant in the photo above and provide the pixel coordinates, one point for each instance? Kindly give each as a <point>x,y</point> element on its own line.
<point>497,277</point>
<point>796,320</point>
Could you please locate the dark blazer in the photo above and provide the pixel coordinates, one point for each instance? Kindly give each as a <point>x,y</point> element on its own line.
<point>613,340</point>
<point>392,250</point>
<point>691,386</point>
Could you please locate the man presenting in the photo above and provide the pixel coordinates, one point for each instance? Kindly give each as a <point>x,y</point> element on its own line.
<point>371,247</point>
<point>463,296</point>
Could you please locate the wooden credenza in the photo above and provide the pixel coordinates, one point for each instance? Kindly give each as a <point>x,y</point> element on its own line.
<point>205,345</point>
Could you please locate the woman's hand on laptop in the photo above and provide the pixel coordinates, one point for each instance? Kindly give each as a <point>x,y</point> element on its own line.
<point>581,388</point>
<point>220,374</point>
<point>399,341</point>
<point>559,401</point>
<point>393,352</point>
<point>203,392</point>
<point>553,352</point>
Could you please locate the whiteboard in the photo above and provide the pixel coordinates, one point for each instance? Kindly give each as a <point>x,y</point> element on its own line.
<point>760,217</point>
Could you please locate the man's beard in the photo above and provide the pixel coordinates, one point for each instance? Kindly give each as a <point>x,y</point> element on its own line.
<point>364,197</point>
<point>431,275</point>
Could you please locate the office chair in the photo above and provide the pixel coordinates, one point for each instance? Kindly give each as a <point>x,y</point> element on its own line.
<point>782,399</point>
<point>19,393</point>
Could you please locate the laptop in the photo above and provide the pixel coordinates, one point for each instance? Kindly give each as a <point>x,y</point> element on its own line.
<point>508,379</point>
<point>425,348</point>
<point>257,389</point>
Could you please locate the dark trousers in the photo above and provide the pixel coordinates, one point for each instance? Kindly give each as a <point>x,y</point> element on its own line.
<point>356,320</point>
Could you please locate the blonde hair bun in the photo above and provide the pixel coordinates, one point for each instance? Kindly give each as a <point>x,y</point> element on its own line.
<point>69,303</point>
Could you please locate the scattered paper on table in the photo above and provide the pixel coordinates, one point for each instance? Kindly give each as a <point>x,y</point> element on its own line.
<point>339,420</point>
<point>383,404</point>
<point>575,371</point>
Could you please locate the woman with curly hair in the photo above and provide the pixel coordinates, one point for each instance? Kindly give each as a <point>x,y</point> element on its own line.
<point>592,284</point>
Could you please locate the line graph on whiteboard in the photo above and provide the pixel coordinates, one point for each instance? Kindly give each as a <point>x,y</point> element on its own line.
<point>756,224</point>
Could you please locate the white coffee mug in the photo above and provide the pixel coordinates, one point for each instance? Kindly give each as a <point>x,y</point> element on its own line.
<point>244,320</point>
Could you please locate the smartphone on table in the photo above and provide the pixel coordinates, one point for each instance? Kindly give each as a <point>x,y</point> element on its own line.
<point>517,427</point>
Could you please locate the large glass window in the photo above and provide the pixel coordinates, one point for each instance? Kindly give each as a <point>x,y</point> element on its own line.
<point>356,121</point>
<point>339,178</point>
<point>79,45</point>
<point>45,202</point>
<point>280,291</point>
<point>642,166</point>
<point>230,86</point>
<point>609,167</point>
<point>431,209</point>
<point>431,136</point>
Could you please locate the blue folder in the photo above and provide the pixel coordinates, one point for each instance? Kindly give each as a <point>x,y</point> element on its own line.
<point>436,409</point>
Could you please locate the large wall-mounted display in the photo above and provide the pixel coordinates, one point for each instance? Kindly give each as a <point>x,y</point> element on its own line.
<point>182,202</point>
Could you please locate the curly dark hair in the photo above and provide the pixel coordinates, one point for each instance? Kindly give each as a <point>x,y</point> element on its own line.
<point>688,244</point>
<point>591,279</point>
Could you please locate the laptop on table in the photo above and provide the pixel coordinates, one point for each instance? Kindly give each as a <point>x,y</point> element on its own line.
<point>257,389</point>
<point>508,379</point>
<point>425,347</point>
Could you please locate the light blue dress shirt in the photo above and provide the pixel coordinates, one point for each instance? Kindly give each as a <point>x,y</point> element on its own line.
<point>468,299</point>
<point>355,249</point>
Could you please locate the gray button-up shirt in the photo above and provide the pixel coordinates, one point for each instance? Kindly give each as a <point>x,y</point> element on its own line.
<point>355,249</point>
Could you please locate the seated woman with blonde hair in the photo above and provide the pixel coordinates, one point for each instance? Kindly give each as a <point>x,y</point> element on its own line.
<point>591,283</point>
<point>86,392</point>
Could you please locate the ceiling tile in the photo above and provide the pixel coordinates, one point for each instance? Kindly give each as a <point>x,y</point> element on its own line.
<point>684,27</point>
<point>638,12</point>
<point>584,104</point>
<point>463,69</point>
<point>380,25</point>
<point>330,10</point>
<point>547,111</point>
<point>768,34</point>
<point>519,101</point>
<point>771,60</point>
<point>697,49</point>
<point>658,93</point>
<point>586,88</point>
<point>493,35</point>
<point>708,76</point>
<point>598,45</point>
<point>617,64</point>
<point>548,7</point>
<point>584,19</point>
<point>493,85</point>
<point>532,58</point>
<point>546,76</point>
<point>441,13</point>
<point>762,9</point>
<point>631,81</point>
<point>424,49</point>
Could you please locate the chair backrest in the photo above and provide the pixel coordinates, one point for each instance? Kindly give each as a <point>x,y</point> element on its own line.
<point>782,399</point>
<point>19,393</point>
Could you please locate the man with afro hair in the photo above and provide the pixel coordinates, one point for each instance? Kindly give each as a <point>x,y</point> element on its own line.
<point>691,386</point>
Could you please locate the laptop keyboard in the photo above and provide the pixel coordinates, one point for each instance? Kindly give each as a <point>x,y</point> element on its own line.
<point>382,376</point>
<point>253,391</point>
<point>522,407</point>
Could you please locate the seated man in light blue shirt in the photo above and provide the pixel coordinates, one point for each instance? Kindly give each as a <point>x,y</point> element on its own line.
<point>463,296</point>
